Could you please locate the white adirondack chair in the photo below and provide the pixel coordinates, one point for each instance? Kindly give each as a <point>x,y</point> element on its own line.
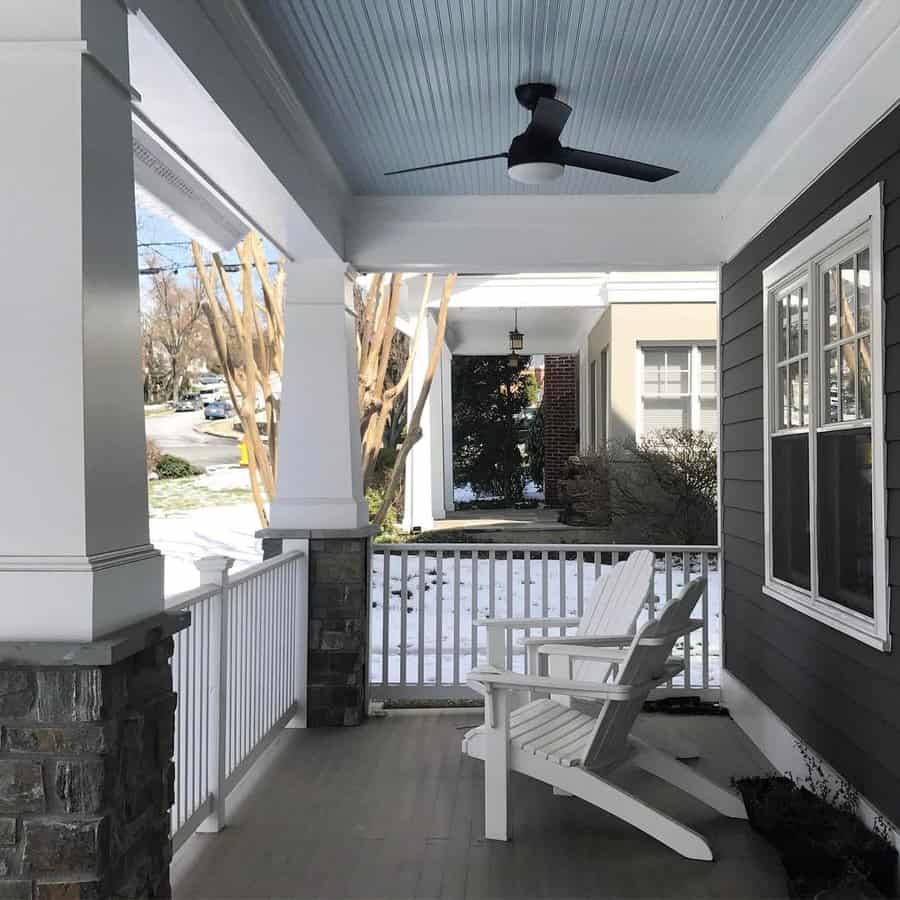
<point>612,607</point>
<point>571,750</point>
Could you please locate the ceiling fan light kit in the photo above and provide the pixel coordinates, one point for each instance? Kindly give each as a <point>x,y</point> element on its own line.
<point>536,156</point>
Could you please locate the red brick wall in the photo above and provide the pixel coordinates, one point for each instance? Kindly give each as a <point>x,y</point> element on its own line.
<point>560,419</point>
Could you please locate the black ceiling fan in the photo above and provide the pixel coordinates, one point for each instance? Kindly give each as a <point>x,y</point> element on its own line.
<point>536,156</point>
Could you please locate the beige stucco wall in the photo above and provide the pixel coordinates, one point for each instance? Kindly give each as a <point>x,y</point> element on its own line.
<point>622,328</point>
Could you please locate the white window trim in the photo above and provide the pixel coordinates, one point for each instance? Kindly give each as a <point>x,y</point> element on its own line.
<point>694,394</point>
<point>864,212</point>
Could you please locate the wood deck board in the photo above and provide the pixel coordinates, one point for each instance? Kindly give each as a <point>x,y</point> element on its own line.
<point>392,809</point>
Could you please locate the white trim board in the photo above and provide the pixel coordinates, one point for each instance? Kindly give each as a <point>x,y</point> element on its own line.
<point>778,743</point>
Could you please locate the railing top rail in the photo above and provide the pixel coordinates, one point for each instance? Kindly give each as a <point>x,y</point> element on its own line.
<point>187,599</point>
<point>265,566</point>
<point>549,548</point>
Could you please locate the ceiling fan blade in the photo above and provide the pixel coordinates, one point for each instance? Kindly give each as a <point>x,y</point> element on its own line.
<point>614,165</point>
<point>455,162</point>
<point>550,117</point>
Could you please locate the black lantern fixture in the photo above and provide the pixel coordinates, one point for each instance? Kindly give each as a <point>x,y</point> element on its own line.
<point>516,343</point>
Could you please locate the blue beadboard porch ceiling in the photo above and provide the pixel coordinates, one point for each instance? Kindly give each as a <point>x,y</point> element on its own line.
<point>682,83</point>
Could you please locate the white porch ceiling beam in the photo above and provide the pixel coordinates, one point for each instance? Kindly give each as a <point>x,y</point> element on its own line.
<point>534,234</point>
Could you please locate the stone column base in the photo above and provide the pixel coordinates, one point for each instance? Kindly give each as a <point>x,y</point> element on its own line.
<point>86,771</point>
<point>339,587</point>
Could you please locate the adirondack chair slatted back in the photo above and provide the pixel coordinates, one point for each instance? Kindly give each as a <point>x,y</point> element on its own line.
<point>643,663</point>
<point>614,606</point>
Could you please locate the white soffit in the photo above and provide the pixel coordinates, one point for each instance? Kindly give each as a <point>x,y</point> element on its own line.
<point>165,185</point>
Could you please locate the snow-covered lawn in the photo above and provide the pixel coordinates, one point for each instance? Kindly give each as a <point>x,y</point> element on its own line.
<point>208,515</point>
<point>421,592</point>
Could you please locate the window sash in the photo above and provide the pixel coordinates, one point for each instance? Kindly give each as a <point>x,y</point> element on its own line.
<point>855,228</point>
<point>696,397</point>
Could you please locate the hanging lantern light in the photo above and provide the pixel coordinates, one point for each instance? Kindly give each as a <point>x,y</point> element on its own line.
<point>516,343</point>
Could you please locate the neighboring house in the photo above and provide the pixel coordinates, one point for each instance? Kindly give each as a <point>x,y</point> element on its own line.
<point>650,361</point>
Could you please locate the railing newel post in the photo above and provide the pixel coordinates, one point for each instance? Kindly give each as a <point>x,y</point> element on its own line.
<point>216,568</point>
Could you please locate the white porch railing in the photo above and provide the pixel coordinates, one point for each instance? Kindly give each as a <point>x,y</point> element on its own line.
<point>237,673</point>
<point>427,597</point>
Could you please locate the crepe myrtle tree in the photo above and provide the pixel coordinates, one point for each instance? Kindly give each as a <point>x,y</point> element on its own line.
<point>378,392</point>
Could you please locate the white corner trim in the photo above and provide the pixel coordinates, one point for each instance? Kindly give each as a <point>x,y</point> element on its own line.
<point>778,743</point>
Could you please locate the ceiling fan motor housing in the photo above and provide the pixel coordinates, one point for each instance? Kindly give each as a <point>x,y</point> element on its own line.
<point>534,161</point>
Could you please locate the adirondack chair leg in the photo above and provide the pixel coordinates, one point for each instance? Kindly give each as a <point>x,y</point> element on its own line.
<point>496,767</point>
<point>619,803</point>
<point>689,780</point>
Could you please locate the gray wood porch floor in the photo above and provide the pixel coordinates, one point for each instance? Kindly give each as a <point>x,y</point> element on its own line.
<point>392,810</point>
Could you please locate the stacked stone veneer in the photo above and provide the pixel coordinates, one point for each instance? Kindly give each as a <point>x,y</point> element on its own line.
<point>560,407</point>
<point>87,778</point>
<point>338,661</point>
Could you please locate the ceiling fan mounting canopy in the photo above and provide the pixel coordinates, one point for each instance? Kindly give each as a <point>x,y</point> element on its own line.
<point>536,156</point>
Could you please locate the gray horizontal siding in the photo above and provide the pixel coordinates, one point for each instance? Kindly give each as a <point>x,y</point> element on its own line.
<point>836,693</point>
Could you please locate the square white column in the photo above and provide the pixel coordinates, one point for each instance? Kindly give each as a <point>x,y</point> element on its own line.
<point>319,466</point>
<point>75,556</point>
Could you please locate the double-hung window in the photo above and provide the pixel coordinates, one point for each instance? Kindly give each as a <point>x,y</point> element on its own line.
<point>824,447</point>
<point>678,387</point>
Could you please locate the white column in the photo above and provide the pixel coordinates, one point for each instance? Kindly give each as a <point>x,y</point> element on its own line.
<point>439,425</point>
<point>75,556</point>
<point>417,487</point>
<point>319,474</point>
<point>447,408</point>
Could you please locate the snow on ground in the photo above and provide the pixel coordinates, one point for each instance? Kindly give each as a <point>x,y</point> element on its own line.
<point>188,536</point>
<point>424,587</point>
<point>465,494</point>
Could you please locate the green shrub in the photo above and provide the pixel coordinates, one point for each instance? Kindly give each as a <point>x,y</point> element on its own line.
<point>170,466</point>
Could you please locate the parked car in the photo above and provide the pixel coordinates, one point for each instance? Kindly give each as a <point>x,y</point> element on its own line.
<point>185,405</point>
<point>211,378</point>
<point>218,409</point>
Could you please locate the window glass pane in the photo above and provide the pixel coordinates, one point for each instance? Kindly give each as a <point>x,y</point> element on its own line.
<point>782,327</point>
<point>794,311</point>
<point>848,299</point>
<point>848,381</point>
<point>654,366</point>
<point>804,319</point>
<point>864,290</point>
<point>783,401</point>
<point>804,391</point>
<point>832,381</point>
<point>790,509</point>
<point>845,518</point>
<point>678,374</point>
<point>795,395</point>
<point>830,291</point>
<point>709,421</point>
<point>865,378</point>
<point>667,413</point>
<point>708,371</point>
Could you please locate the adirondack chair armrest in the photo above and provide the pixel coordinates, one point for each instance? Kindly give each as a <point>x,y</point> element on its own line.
<point>511,623</point>
<point>579,650</point>
<point>608,640</point>
<point>488,678</point>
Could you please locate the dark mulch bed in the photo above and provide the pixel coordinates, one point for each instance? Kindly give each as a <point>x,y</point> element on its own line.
<point>822,848</point>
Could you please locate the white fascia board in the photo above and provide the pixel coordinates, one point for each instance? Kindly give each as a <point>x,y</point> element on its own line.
<point>177,106</point>
<point>509,234</point>
<point>853,84</point>
<point>663,287</point>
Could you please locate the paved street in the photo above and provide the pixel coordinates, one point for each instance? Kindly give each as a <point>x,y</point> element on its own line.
<point>174,433</point>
